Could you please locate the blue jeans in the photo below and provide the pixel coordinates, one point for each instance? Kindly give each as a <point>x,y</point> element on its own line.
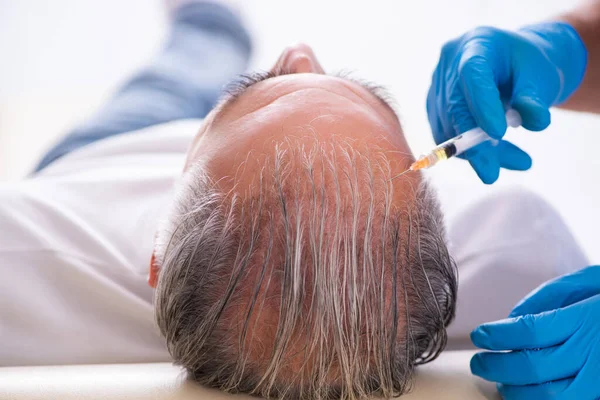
<point>207,47</point>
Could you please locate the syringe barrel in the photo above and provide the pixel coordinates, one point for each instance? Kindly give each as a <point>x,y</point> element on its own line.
<point>470,139</point>
<point>513,118</point>
<point>475,136</point>
<point>465,141</point>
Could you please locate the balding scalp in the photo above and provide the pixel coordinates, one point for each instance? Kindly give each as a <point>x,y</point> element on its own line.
<point>314,286</point>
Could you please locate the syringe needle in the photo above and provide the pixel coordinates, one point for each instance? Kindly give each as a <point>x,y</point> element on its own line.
<point>400,174</point>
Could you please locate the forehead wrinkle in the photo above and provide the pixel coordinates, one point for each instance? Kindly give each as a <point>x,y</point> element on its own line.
<point>229,101</point>
<point>379,99</point>
<point>363,102</point>
<point>348,83</point>
<point>371,89</point>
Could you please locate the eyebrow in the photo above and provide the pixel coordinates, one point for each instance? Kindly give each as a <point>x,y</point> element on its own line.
<point>239,85</point>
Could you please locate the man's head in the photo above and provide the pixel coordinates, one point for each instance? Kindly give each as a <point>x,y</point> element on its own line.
<point>290,264</point>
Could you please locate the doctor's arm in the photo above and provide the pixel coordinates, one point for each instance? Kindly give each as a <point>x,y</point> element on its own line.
<point>586,21</point>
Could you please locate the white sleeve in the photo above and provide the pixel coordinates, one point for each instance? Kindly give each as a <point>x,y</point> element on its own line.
<point>67,294</point>
<point>505,246</point>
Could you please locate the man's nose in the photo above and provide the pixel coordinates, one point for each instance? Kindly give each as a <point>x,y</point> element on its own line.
<point>299,58</point>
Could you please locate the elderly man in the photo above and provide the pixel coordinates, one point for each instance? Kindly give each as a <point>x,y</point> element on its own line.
<point>287,262</point>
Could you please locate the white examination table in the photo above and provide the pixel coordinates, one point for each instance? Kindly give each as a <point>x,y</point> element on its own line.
<point>447,378</point>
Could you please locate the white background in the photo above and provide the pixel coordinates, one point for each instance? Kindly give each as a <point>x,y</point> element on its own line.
<point>60,59</point>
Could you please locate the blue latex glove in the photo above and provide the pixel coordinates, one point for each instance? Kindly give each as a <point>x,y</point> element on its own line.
<point>487,70</point>
<point>553,339</point>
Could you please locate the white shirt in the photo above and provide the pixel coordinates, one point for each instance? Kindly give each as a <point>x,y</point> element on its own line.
<point>76,241</point>
<point>75,246</point>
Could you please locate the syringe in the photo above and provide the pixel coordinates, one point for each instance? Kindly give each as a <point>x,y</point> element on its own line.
<point>459,144</point>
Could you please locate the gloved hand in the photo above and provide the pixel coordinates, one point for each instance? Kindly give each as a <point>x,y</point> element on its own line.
<point>553,338</point>
<point>487,70</point>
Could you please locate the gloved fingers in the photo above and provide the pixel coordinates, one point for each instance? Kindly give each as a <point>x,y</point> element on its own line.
<point>512,157</point>
<point>560,292</point>
<point>487,159</point>
<point>528,367</point>
<point>484,160</point>
<point>433,113</point>
<point>479,88</point>
<point>585,385</point>
<point>460,116</point>
<point>537,331</point>
<point>437,97</point>
<point>557,390</point>
<point>535,114</point>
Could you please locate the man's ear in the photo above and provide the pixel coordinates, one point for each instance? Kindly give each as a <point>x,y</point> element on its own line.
<point>154,270</point>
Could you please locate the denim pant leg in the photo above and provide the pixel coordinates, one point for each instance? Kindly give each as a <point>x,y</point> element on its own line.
<point>207,47</point>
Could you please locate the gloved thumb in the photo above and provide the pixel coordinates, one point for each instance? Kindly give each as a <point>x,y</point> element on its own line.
<point>484,160</point>
<point>533,111</point>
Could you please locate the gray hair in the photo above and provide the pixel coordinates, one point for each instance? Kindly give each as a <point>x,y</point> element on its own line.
<point>311,285</point>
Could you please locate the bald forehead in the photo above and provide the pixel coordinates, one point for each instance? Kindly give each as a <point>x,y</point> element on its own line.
<point>258,91</point>
<point>303,109</point>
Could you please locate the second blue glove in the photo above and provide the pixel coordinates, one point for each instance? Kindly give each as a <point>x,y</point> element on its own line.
<point>550,347</point>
